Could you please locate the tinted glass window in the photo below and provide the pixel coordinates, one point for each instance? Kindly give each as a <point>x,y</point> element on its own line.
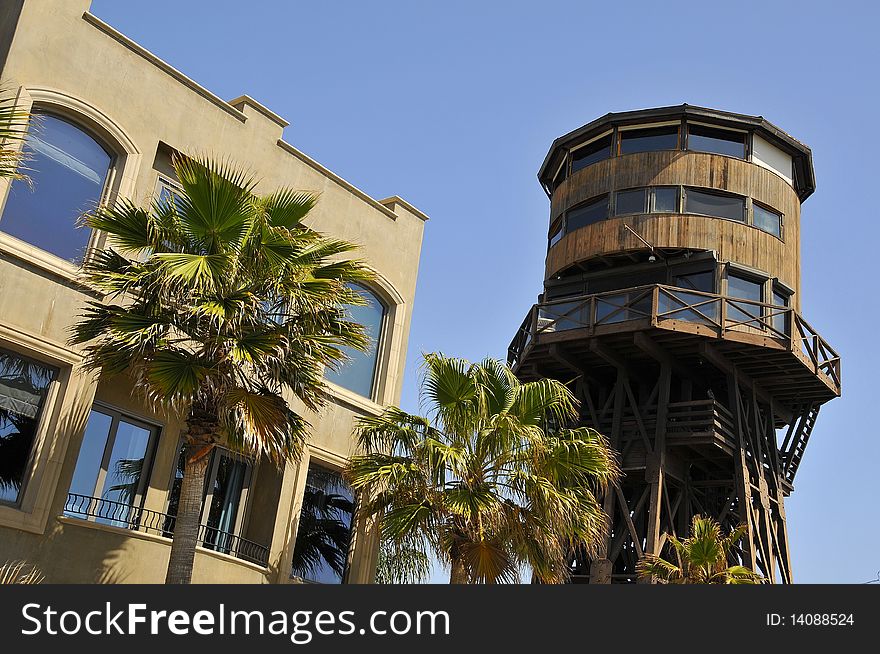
<point>746,289</point>
<point>665,199</point>
<point>631,201</point>
<point>68,170</point>
<point>226,482</point>
<point>226,486</point>
<point>556,235</point>
<point>698,281</point>
<point>717,141</point>
<point>324,534</point>
<point>596,151</point>
<point>358,372</point>
<point>713,204</point>
<point>560,176</point>
<point>780,320</point>
<point>111,466</point>
<point>768,220</point>
<point>23,388</point>
<point>586,214</point>
<point>649,140</point>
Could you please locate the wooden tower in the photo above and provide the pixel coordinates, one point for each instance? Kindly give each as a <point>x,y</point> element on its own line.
<point>671,305</point>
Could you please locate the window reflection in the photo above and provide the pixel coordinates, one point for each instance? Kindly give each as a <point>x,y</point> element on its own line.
<point>323,537</point>
<point>746,289</point>
<point>634,201</point>
<point>358,373</point>
<point>649,140</point>
<point>714,204</point>
<point>24,385</point>
<point>68,170</point>
<point>591,153</point>
<point>586,214</point>
<point>767,219</point>
<point>717,141</point>
<point>112,459</point>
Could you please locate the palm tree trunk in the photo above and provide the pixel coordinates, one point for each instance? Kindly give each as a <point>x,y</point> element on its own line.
<point>458,573</point>
<point>189,509</point>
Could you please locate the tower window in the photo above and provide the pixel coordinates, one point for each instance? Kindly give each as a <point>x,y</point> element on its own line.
<point>556,234</point>
<point>720,205</point>
<point>649,140</point>
<point>68,171</point>
<point>766,219</point>
<point>664,199</point>
<point>635,201</point>
<point>591,153</point>
<point>586,214</point>
<point>745,288</point>
<point>717,141</point>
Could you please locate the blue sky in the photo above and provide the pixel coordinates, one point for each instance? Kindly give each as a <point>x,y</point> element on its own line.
<point>452,105</point>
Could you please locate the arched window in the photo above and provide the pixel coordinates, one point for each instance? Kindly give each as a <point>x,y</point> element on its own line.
<point>358,374</point>
<point>68,171</point>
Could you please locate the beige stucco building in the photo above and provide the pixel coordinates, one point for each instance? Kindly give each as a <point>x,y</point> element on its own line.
<point>112,114</point>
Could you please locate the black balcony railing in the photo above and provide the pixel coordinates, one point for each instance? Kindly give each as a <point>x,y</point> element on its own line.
<point>125,516</point>
<point>658,304</point>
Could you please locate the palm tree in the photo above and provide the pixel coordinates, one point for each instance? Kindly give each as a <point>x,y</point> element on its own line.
<point>401,565</point>
<point>702,558</point>
<point>220,304</point>
<point>19,572</point>
<point>493,481</point>
<point>14,123</point>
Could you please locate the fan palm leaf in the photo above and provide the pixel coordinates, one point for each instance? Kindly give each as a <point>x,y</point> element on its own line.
<point>486,482</point>
<point>219,303</point>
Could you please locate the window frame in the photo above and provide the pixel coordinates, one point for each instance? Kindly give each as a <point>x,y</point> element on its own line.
<point>612,151</point>
<point>596,199</point>
<point>623,129</point>
<point>381,341</point>
<point>718,193</point>
<point>116,415</point>
<point>337,468</point>
<point>114,168</point>
<point>766,207</point>
<point>51,394</point>
<point>747,135</point>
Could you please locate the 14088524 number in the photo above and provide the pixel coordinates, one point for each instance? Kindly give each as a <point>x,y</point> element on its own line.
<point>822,619</point>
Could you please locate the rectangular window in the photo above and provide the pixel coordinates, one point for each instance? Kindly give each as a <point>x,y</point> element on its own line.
<point>780,320</point>
<point>692,307</point>
<point>323,538</point>
<point>224,500</point>
<point>634,201</point>
<point>556,234</point>
<point>591,153</point>
<point>716,141</point>
<point>649,140</point>
<point>731,207</point>
<point>24,385</point>
<point>767,219</point>
<point>745,288</point>
<point>586,214</point>
<point>112,466</point>
<point>665,199</point>
<point>560,175</point>
<point>703,281</point>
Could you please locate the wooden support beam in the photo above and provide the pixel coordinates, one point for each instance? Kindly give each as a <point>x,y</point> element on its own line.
<point>711,354</point>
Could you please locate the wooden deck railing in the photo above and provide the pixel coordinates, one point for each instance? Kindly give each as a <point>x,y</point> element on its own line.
<point>659,303</point>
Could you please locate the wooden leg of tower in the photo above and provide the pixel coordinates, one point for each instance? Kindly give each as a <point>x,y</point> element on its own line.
<point>742,476</point>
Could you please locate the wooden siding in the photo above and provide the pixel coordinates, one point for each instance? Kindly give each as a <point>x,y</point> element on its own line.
<point>732,241</point>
